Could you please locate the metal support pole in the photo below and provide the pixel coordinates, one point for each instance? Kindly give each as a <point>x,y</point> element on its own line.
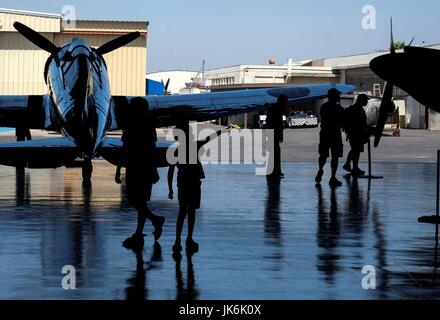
<point>438,185</point>
<point>370,173</point>
<point>369,157</point>
<point>435,219</point>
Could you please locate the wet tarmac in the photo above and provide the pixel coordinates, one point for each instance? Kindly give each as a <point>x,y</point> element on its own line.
<point>258,240</point>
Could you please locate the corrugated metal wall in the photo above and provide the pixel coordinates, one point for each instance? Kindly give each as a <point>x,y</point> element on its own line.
<point>39,23</point>
<point>22,64</point>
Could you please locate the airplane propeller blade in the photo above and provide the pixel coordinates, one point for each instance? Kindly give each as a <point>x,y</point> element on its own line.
<point>117,43</point>
<point>167,85</point>
<point>36,38</point>
<point>387,104</point>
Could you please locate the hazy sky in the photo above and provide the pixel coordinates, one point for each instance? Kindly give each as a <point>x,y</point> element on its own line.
<point>229,32</point>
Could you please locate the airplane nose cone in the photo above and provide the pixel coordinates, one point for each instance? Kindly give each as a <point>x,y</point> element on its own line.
<point>382,66</point>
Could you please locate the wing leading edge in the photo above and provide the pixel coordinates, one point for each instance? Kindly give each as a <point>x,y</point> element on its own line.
<point>45,153</point>
<point>32,112</point>
<point>202,107</point>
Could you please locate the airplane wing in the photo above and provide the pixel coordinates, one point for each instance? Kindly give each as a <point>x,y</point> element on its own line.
<point>32,112</point>
<point>111,150</point>
<point>45,153</point>
<point>208,106</point>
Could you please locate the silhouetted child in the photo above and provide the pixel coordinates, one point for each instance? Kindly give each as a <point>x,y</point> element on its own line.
<point>141,171</point>
<point>189,181</point>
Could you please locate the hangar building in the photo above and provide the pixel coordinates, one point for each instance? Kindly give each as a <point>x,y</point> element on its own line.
<point>22,63</point>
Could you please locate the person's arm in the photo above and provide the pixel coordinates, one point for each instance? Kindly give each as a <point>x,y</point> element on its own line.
<point>170,182</point>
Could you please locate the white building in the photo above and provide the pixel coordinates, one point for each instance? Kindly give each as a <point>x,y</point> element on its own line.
<point>262,75</point>
<point>178,80</point>
<point>355,69</point>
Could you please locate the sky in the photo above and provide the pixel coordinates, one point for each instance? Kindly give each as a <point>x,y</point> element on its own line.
<point>230,32</point>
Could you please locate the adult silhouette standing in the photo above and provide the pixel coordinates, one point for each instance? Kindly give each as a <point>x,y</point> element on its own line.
<point>332,121</point>
<point>274,121</point>
<point>141,172</point>
<point>356,129</point>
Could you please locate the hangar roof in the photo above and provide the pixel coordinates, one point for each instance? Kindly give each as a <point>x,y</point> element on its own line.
<point>31,13</point>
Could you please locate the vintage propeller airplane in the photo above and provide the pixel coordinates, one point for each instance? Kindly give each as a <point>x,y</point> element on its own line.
<point>410,71</point>
<point>79,106</point>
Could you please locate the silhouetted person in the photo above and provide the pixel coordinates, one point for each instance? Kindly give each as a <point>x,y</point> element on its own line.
<point>274,121</point>
<point>356,129</point>
<point>332,120</point>
<point>23,134</point>
<point>189,181</point>
<point>141,171</point>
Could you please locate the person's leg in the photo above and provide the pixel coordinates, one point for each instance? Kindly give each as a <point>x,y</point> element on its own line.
<point>335,165</point>
<point>179,227</point>
<point>337,152</point>
<point>356,157</point>
<point>322,162</point>
<point>136,241</point>
<point>191,245</point>
<point>349,158</point>
<point>277,158</point>
<point>191,222</point>
<point>142,217</point>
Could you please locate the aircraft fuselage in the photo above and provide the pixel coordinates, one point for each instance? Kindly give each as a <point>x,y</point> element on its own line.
<point>79,88</point>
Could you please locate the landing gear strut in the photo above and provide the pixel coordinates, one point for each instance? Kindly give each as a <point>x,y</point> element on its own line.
<point>87,170</point>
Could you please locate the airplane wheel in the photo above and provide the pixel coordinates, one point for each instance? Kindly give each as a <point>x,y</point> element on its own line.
<point>87,170</point>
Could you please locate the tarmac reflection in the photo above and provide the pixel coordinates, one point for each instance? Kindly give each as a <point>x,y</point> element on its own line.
<point>261,239</point>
